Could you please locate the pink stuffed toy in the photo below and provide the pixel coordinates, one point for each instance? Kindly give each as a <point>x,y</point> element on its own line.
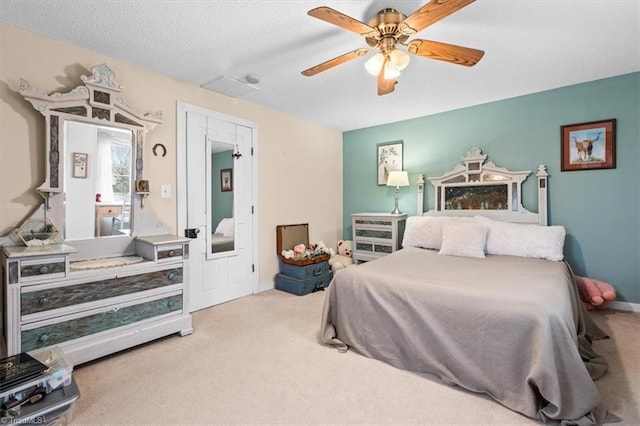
<point>595,294</point>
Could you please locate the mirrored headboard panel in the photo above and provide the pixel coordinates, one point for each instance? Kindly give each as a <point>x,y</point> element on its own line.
<point>94,156</point>
<point>479,187</point>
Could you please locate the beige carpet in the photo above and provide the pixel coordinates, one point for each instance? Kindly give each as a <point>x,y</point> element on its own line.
<point>257,360</point>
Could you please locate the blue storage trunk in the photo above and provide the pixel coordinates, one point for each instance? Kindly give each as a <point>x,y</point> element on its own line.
<point>305,271</point>
<point>301,287</point>
<point>302,276</point>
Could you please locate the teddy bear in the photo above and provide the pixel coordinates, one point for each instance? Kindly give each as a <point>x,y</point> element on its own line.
<point>593,293</point>
<point>342,258</point>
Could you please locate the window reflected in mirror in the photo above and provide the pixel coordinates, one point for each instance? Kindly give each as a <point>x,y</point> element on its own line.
<point>222,197</point>
<point>98,180</point>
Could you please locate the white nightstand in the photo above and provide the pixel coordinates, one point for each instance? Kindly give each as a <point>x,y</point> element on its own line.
<point>376,234</point>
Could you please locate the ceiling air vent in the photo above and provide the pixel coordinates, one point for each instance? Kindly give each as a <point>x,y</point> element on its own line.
<point>230,86</point>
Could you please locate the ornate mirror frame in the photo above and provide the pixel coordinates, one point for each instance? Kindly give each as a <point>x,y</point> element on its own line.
<point>98,101</point>
<point>496,191</point>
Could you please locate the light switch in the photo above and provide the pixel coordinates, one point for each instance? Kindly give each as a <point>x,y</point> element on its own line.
<point>166,191</point>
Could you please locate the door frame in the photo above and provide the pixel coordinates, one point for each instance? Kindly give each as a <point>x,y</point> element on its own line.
<point>181,179</point>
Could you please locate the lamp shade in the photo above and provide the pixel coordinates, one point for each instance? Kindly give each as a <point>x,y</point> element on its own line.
<point>398,178</point>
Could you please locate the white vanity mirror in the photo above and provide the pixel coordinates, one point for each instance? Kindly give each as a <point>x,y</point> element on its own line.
<point>94,145</point>
<point>98,164</point>
<point>86,279</point>
<point>222,198</point>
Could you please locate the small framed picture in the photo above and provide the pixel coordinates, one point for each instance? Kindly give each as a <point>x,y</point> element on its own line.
<point>226,180</point>
<point>80,160</point>
<point>142,185</point>
<point>389,160</point>
<point>587,146</point>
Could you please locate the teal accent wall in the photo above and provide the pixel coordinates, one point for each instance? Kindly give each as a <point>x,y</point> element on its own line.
<point>221,202</point>
<point>599,208</point>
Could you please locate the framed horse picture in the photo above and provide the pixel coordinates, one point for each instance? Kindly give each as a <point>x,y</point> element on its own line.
<point>389,159</point>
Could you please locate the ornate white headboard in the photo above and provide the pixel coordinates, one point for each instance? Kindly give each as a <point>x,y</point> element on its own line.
<point>479,188</point>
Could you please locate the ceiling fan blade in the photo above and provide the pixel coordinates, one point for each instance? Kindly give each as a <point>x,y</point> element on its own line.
<point>431,13</point>
<point>446,52</point>
<point>335,61</point>
<point>334,17</point>
<point>385,86</point>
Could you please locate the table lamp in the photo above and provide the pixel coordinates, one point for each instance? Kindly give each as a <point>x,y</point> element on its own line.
<point>397,179</point>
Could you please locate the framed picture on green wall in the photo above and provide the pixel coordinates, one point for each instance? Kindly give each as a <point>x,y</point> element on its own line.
<point>389,159</point>
<point>226,182</point>
<point>588,146</point>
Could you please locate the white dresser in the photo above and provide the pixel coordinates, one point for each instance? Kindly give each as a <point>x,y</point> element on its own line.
<point>97,307</point>
<point>89,293</point>
<point>376,234</point>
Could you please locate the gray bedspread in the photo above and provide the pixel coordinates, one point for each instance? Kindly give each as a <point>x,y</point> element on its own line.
<point>510,327</point>
<point>220,243</point>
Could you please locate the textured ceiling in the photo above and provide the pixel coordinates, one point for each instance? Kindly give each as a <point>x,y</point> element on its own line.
<point>530,45</point>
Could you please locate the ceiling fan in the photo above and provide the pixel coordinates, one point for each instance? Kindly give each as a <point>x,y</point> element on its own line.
<point>391,28</point>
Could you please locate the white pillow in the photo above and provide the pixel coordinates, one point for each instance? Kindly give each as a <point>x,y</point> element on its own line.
<point>426,231</point>
<point>220,228</point>
<point>525,240</point>
<point>225,227</point>
<point>465,239</point>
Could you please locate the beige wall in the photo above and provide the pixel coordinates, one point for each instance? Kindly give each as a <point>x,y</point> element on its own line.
<point>299,162</point>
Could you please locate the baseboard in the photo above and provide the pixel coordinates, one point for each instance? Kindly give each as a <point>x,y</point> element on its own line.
<point>266,286</point>
<point>624,306</point>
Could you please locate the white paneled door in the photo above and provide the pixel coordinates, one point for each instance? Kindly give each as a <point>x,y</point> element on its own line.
<point>216,193</point>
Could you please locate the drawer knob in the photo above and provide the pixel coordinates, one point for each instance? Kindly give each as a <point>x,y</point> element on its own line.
<point>43,300</point>
<point>44,338</point>
<point>44,269</point>
<point>173,253</point>
<point>171,276</point>
<point>115,309</point>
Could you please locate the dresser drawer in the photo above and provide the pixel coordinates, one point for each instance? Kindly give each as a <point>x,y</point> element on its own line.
<point>114,317</point>
<point>161,249</point>
<point>374,221</point>
<point>54,298</point>
<point>42,268</point>
<point>374,233</point>
<point>374,247</point>
<point>170,252</point>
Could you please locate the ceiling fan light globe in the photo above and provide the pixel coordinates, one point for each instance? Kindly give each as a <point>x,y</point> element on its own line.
<point>390,72</point>
<point>374,64</point>
<point>399,59</point>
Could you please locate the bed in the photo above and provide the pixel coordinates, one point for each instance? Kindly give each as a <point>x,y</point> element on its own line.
<point>482,303</point>
<point>220,243</point>
<point>223,238</point>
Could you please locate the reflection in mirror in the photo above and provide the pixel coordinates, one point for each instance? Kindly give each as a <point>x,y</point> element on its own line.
<point>98,179</point>
<point>222,223</point>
